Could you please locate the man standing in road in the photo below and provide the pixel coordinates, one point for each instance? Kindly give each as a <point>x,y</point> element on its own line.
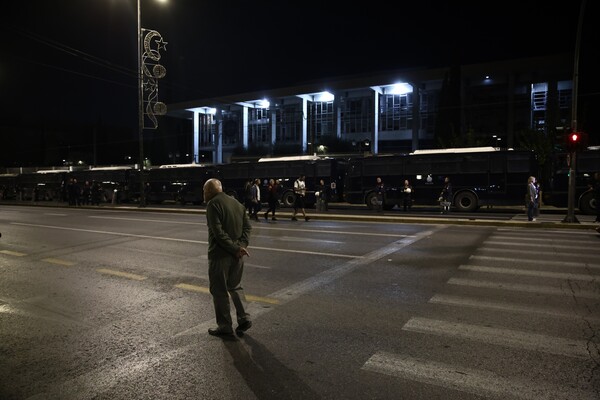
<point>228,237</point>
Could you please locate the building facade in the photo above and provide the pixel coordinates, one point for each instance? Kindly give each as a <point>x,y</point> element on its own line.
<point>392,112</point>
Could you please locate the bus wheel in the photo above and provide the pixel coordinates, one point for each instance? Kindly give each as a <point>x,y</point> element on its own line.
<point>587,203</point>
<point>465,201</point>
<point>288,199</point>
<point>371,201</point>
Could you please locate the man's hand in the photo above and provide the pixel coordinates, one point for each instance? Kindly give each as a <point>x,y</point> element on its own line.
<point>243,252</point>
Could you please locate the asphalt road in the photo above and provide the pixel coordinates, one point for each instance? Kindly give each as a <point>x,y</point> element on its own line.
<point>112,303</point>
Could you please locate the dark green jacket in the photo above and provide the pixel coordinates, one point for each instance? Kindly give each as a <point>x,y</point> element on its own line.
<point>228,226</point>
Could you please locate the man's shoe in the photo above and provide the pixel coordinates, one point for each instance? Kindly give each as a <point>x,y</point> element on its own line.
<point>294,219</point>
<point>220,332</point>
<point>306,218</point>
<point>243,327</point>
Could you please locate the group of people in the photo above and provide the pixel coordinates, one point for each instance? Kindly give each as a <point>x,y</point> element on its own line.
<point>253,201</point>
<point>81,195</point>
<point>445,197</point>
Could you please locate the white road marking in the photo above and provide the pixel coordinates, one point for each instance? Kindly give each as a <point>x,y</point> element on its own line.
<point>265,227</point>
<point>185,240</point>
<point>528,272</point>
<point>462,301</point>
<point>512,260</point>
<point>478,382</point>
<point>501,336</point>
<point>518,287</point>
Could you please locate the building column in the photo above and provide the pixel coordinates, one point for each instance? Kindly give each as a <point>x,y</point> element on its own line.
<point>273,113</point>
<point>375,135</point>
<point>416,115</point>
<point>304,125</point>
<point>245,127</point>
<point>337,100</point>
<point>218,139</point>
<point>196,149</point>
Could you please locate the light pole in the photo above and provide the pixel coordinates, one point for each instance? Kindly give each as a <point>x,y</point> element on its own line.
<point>140,77</point>
<point>571,218</point>
<point>149,70</point>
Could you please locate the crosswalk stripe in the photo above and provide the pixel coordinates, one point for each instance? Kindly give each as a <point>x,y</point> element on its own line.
<point>462,301</point>
<point>528,251</point>
<point>501,336</point>
<point>528,272</point>
<point>512,260</point>
<point>478,382</point>
<point>519,287</point>
<point>544,244</point>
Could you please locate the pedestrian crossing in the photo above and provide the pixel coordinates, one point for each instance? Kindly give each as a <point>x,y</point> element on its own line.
<point>523,298</point>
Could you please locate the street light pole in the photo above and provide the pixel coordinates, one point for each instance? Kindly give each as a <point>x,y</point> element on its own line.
<point>140,105</point>
<point>571,218</point>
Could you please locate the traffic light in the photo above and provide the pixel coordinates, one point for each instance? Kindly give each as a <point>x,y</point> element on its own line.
<point>575,141</point>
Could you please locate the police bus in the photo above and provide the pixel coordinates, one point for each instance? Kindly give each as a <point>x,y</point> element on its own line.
<point>556,193</point>
<point>480,176</point>
<point>286,170</point>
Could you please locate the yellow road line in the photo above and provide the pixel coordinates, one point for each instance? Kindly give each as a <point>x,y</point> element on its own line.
<point>127,275</point>
<point>13,253</point>
<point>202,289</point>
<point>59,262</point>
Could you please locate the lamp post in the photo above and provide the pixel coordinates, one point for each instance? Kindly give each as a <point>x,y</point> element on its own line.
<point>149,71</point>
<point>571,218</point>
<point>140,77</point>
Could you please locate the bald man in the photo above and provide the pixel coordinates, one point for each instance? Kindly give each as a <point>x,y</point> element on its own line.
<point>228,236</point>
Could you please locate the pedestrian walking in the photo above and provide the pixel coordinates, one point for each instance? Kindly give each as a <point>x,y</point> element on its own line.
<point>531,198</point>
<point>255,200</point>
<point>300,192</point>
<point>272,199</point>
<point>229,231</point>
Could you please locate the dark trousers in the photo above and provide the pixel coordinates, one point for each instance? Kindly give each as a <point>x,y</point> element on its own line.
<point>225,277</point>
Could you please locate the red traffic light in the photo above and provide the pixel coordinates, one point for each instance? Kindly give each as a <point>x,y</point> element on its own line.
<point>574,137</point>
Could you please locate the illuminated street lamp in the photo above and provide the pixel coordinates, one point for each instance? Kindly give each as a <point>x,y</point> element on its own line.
<point>149,43</point>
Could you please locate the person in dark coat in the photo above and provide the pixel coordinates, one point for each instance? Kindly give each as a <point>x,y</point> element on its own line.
<point>228,238</point>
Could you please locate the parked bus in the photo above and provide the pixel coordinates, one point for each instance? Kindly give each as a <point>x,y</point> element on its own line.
<point>180,183</point>
<point>587,163</point>
<point>113,181</point>
<point>480,176</point>
<point>234,176</point>
<point>42,185</point>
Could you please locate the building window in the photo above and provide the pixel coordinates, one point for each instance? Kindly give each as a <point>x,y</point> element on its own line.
<point>396,112</point>
<point>289,124</point>
<point>321,121</point>
<point>357,116</point>
<point>259,126</point>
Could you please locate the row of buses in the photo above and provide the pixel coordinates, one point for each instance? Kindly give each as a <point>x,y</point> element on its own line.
<point>481,177</point>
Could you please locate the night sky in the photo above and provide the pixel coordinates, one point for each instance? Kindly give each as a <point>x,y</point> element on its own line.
<point>75,60</point>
